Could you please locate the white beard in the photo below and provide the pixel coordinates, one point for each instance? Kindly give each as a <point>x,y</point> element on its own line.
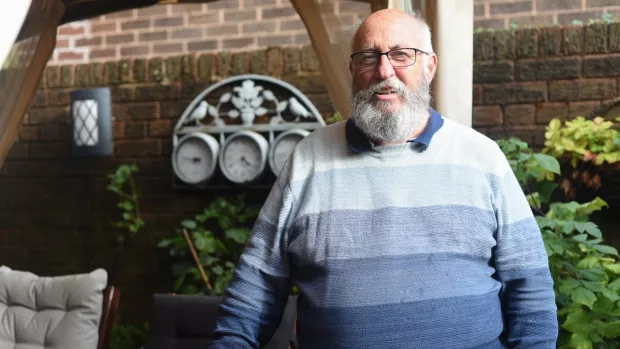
<point>382,126</point>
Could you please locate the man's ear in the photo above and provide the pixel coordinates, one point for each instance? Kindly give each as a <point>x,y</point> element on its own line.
<point>431,66</point>
<point>351,67</point>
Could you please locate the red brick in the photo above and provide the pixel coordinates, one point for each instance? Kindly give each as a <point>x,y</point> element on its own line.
<point>291,25</point>
<point>168,22</point>
<point>186,8</point>
<point>477,95</point>
<point>96,41</point>
<point>55,132</point>
<point>160,128</point>
<point>240,15</point>
<point>135,129</point>
<point>280,12</point>
<point>487,115</point>
<point>71,30</point>
<point>103,27</point>
<point>168,48</point>
<point>49,150</point>
<point>519,114</point>
<point>206,45</point>
<point>553,5</point>
<point>584,89</point>
<point>225,29</point>
<point>136,111</point>
<point>511,7</point>
<point>207,18</point>
<point>131,51</point>
<point>119,39</point>
<point>523,92</point>
<point>70,56</point>
<point>19,151</point>
<point>223,4</point>
<point>62,43</point>
<point>103,53</point>
<point>581,108</point>
<point>121,14</point>
<point>545,112</point>
<point>48,115</point>
<point>275,41</point>
<point>139,24</point>
<point>188,33</point>
<point>58,97</point>
<point>138,148</point>
<point>29,133</point>
<point>259,27</point>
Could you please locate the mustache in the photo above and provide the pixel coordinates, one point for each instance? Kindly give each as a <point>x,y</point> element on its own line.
<point>394,84</point>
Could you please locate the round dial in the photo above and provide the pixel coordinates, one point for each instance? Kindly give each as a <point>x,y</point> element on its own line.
<point>244,156</point>
<point>195,157</point>
<point>283,146</point>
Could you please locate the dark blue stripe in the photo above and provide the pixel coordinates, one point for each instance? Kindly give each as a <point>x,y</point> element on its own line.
<point>411,278</point>
<point>459,322</point>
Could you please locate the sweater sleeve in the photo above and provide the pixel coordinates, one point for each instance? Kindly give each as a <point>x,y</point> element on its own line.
<point>521,262</point>
<point>255,299</point>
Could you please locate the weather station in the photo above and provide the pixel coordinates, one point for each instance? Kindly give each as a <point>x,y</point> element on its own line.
<point>240,132</point>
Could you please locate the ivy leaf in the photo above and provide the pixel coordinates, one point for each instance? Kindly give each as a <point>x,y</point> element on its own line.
<point>606,249</point>
<point>580,237</point>
<point>610,329</point>
<point>589,228</point>
<point>217,270</point>
<point>576,320</point>
<point>593,274</point>
<point>584,296</point>
<point>548,162</point>
<point>189,224</point>
<point>614,285</point>
<point>568,285</point>
<point>589,263</point>
<point>611,295</point>
<point>580,341</point>
<point>594,286</point>
<point>614,268</point>
<point>239,235</point>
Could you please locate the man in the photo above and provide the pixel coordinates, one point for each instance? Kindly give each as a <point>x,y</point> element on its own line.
<point>400,228</point>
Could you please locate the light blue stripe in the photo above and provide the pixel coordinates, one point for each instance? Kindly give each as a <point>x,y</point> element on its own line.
<point>379,187</point>
<point>520,245</point>
<point>411,278</point>
<point>347,234</point>
<point>460,322</point>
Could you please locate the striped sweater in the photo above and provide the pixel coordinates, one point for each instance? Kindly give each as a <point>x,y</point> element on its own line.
<point>428,244</point>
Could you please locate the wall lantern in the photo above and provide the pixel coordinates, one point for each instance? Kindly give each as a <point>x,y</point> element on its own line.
<point>91,114</point>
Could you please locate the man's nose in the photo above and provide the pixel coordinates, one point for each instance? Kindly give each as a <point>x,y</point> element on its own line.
<point>384,70</point>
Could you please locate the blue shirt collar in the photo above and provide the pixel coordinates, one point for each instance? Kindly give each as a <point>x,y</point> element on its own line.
<point>359,143</point>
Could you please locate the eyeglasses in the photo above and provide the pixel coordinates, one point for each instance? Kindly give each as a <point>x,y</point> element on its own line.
<point>399,58</point>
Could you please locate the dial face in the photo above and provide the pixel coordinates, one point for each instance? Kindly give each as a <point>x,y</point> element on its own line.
<point>243,159</point>
<point>194,160</point>
<point>283,149</point>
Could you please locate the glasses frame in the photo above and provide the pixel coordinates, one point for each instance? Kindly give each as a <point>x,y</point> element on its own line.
<point>386,53</point>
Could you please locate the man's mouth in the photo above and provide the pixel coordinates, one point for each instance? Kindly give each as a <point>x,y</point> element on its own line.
<point>385,91</point>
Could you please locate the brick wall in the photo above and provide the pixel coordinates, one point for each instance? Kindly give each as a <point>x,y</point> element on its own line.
<point>241,25</point>
<point>524,78</point>
<point>160,30</point>
<point>501,13</point>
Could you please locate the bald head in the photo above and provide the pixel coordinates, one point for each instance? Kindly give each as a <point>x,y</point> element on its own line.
<point>396,25</point>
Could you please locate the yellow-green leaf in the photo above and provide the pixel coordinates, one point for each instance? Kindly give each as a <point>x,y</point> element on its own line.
<point>614,268</point>
<point>580,341</point>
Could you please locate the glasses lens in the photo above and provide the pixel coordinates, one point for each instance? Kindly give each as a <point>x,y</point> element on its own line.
<point>365,60</point>
<point>402,57</point>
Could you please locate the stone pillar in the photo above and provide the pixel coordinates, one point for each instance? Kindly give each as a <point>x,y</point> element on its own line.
<point>452,23</point>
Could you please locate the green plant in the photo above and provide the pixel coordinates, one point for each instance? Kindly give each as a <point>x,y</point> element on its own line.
<point>585,271</point>
<point>583,140</point>
<point>126,335</point>
<point>122,183</point>
<point>591,147</point>
<point>334,118</point>
<point>218,245</point>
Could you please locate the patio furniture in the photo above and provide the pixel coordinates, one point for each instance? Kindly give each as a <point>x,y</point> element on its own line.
<point>69,312</point>
<point>183,321</point>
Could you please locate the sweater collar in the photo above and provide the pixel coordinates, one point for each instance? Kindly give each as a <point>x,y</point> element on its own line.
<point>359,143</point>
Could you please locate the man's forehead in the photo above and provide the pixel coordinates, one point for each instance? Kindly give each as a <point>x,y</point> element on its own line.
<point>391,41</point>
